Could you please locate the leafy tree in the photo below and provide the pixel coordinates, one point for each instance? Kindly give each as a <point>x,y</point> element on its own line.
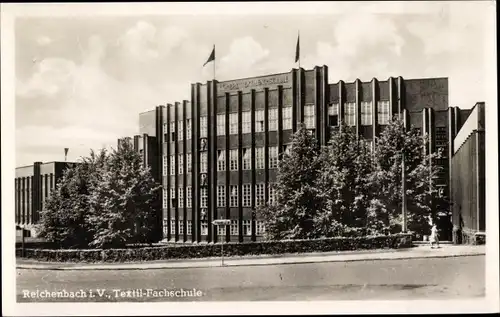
<point>120,202</point>
<point>297,202</point>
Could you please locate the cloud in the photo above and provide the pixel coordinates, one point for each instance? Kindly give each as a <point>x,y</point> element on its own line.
<point>43,40</point>
<point>139,41</point>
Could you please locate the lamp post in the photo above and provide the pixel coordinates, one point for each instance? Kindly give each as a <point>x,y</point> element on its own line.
<point>403,192</point>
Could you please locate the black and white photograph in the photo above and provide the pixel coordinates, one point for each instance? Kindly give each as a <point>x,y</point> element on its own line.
<point>249,158</point>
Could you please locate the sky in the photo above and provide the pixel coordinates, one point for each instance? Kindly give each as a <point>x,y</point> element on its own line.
<point>81,81</point>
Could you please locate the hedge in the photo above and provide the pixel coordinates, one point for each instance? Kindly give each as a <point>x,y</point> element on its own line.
<point>190,251</point>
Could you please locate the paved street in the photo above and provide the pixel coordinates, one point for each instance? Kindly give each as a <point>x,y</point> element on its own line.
<point>431,278</point>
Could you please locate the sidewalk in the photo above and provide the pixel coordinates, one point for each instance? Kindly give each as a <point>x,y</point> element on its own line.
<point>420,251</point>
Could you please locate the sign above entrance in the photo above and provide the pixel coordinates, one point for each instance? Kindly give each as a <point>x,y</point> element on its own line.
<point>222,222</point>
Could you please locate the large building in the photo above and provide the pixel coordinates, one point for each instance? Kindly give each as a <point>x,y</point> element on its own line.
<point>33,184</point>
<point>216,155</point>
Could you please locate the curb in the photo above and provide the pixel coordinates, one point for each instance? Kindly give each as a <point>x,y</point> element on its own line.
<point>146,267</point>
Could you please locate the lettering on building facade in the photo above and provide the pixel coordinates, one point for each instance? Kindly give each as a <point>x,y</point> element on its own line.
<point>242,84</point>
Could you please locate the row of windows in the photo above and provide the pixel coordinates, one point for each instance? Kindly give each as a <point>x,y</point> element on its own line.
<point>221,160</point>
<point>221,230</point>
<point>178,200</point>
<point>383,113</point>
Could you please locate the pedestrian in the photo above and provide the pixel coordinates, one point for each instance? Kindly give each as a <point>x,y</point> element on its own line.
<point>434,238</point>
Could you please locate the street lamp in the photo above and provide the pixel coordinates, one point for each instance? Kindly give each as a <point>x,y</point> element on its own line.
<point>403,187</point>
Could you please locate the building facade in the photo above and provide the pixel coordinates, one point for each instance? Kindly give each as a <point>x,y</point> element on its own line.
<point>468,174</point>
<point>217,154</point>
<point>33,185</point>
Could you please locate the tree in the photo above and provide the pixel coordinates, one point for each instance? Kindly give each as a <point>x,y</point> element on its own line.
<point>120,202</point>
<point>297,203</point>
<point>395,144</point>
<point>64,220</point>
<point>343,183</point>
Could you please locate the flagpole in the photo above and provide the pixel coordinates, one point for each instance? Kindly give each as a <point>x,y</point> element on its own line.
<point>214,63</point>
<point>298,36</point>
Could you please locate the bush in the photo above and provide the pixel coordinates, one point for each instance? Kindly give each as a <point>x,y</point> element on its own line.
<point>213,250</point>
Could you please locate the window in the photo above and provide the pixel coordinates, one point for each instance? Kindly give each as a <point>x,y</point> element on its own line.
<point>247,159</point>
<point>221,160</point>
<point>172,164</point>
<point>350,114</point>
<point>165,198</point>
<point>247,195</point>
<point>204,197</point>
<point>260,228</point>
<point>233,160</point>
<point>181,197</point>
<point>383,112</point>
<point>287,118</point>
<point>221,196</point>
<point>188,129</point>
<point>287,148</point>
<point>165,226</point>
<point>246,122</point>
<point>203,162</point>
<point>259,121</point>
<point>172,226</point>
<point>189,162</point>
<point>233,198</point>
<point>259,194</point>
<point>309,116</point>
<point>366,113</point>
<point>189,229</point>
<point>181,227</point>
<point>367,144</point>
<point>273,119</point>
<point>165,132</point>
<point>172,198</point>
<point>272,194</point>
<point>165,165</point>
<point>203,127</point>
<point>221,230</point>
<point>189,198</point>
<point>221,124</point>
<point>180,126</point>
<point>204,227</point>
<point>233,123</point>
<point>172,132</point>
<point>234,228</point>
<point>181,164</point>
<point>333,114</point>
<point>247,227</point>
<point>259,158</point>
<point>273,157</point>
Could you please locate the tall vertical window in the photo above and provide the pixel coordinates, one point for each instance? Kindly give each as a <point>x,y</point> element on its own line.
<point>165,165</point>
<point>181,227</point>
<point>272,194</point>
<point>233,160</point>
<point>221,230</point>
<point>221,160</point>
<point>173,203</point>
<point>172,226</point>
<point>246,122</point>
<point>172,164</point>
<point>165,132</point>
<point>233,198</point>
<point>247,159</point>
<point>273,119</point>
<point>221,124</point>
<point>181,164</point>
<point>233,123</point>
<point>189,197</point>
<point>259,121</point>
<point>188,162</point>
<point>259,194</point>
<point>181,197</point>
<point>203,127</point>
<point>180,125</point>
<point>259,158</point>
<point>366,113</point>
<point>287,117</point>
<point>204,197</point>
<point>309,116</point>
<point>260,228</point>
<point>165,198</point>
<point>204,228</point>
<point>234,228</point>
<point>383,112</point>
<point>273,157</point>
<point>247,227</point>
<point>221,196</point>
<point>188,129</point>
<point>203,162</point>
<point>189,229</point>
<point>173,135</point>
<point>350,114</point>
<point>333,114</point>
<point>247,195</point>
